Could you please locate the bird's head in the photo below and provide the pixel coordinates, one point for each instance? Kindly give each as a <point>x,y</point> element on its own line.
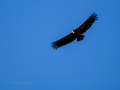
<point>73,32</point>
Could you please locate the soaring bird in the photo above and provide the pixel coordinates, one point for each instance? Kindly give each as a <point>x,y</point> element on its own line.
<point>77,33</point>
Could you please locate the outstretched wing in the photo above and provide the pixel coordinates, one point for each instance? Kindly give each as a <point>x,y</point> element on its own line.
<point>87,24</point>
<point>63,41</point>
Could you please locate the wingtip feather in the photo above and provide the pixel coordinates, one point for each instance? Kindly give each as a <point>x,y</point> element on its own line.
<point>94,16</point>
<point>54,45</point>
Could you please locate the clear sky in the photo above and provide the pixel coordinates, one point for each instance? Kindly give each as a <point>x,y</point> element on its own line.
<point>27,60</point>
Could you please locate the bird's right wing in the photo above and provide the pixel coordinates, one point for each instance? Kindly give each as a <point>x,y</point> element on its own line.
<point>63,41</point>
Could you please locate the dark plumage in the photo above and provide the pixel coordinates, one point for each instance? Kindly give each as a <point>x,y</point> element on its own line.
<point>77,33</point>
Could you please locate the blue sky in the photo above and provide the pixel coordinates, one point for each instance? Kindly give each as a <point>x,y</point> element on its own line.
<point>27,60</point>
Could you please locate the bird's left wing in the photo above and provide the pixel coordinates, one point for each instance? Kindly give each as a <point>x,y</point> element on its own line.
<point>87,24</point>
<point>63,41</point>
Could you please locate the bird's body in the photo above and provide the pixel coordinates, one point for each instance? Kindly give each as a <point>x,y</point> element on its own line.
<point>77,33</point>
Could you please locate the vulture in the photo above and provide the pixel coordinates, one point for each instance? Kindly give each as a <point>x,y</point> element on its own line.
<point>77,33</point>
